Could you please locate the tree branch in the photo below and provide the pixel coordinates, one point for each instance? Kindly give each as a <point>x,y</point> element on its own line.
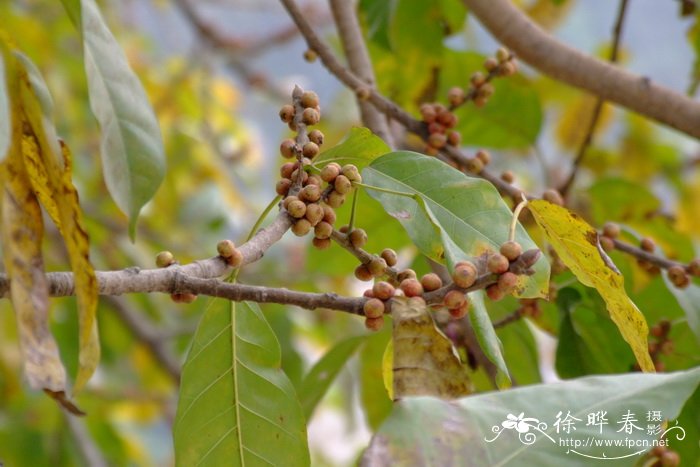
<point>344,13</point>
<point>511,27</point>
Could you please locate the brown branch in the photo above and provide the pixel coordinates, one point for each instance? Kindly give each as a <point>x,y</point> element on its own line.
<point>344,13</point>
<point>511,27</point>
<point>595,116</point>
<point>642,255</point>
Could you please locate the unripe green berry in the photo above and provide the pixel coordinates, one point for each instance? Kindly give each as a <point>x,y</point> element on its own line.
<point>411,287</point>
<point>316,136</point>
<point>287,148</point>
<point>321,243</point>
<point>164,259</point>
<point>309,99</point>
<point>383,290</point>
<point>377,266</point>
<point>310,150</point>
<point>497,263</point>
<point>323,230</point>
<point>287,113</point>
<point>362,273</point>
<point>342,185</point>
<point>374,324</point>
<point>330,172</point>
<point>430,282</point>
<point>314,214</point>
<point>310,193</point>
<point>389,256</point>
<point>406,274</point>
<point>301,227</point>
<point>511,250</point>
<point>282,186</point>
<point>358,238</point>
<point>310,116</point>
<point>454,299</point>
<point>335,199</point>
<point>296,209</point>
<point>465,274</point>
<point>373,308</point>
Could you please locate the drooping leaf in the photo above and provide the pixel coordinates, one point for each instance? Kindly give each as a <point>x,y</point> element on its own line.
<point>425,362</point>
<point>360,147</point>
<point>487,338</point>
<point>131,148</point>
<point>237,407</point>
<point>5,116</point>
<point>318,380</point>
<point>376,403</point>
<point>577,245</point>
<point>470,213</point>
<point>519,426</point>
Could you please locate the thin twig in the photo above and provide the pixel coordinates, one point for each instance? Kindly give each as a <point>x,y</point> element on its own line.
<point>84,442</point>
<point>588,139</point>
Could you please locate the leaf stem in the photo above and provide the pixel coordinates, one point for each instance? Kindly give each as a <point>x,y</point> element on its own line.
<point>386,190</point>
<point>351,224</point>
<point>514,221</point>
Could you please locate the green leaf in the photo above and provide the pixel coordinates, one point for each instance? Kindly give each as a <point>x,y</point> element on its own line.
<point>131,148</point>
<point>689,299</point>
<point>360,147</point>
<point>378,14</point>
<point>5,117</point>
<point>236,405</point>
<point>497,124</point>
<point>318,380</point>
<point>471,214</point>
<point>487,338</point>
<point>428,431</point>
<point>373,395</point>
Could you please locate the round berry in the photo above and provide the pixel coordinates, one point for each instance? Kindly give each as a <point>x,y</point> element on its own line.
<point>454,299</point>
<point>323,230</point>
<point>225,248</point>
<point>670,458</point>
<point>287,201</point>
<point>335,199</point>
<point>164,259</point>
<point>321,243</point>
<point>301,227</point>
<point>310,150</point>
<point>694,267</point>
<point>374,324</point>
<point>428,113</point>
<point>461,312</point>
<point>362,273</point>
<point>465,274</point>
<point>309,99</point>
<point>507,282</point>
<point>430,282</point>
<point>342,185</point>
<point>368,293</point>
<point>508,176</point>
<point>328,214</point>
<point>502,54</point>
<point>678,277</point>
<point>287,148</point>
<point>310,193</point>
<point>282,186</point>
<point>611,230</point>
<point>287,113</point>
<point>497,263</point>
<point>454,138</point>
<point>607,243</point>
<point>474,165</point>
<point>494,292</point>
<point>511,250</point>
<point>287,169</point>
<point>316,136</point>
<point>377,266</point>
<point>373,308</point>
<point>304,176</point>
<point>647,244</point>
<point>389,256</point>
<point>296,209</point>
<point>508,68</point>
<point>484,156</point>
<point>330,172</point>
<point>448,119</point>
<point>314,214</point>
<point>350,171</point>
<point>456,96</point>
<point>358,238</point>
<point>553,196</point>
<point>383,290</point>
<point>477,79</point>
<point>310,116</point>
<point>437,140</point>
<point>363,93</point>
<point>406,274</point>
<point>411,287</point>
<point>186,297</point>
<point>490,63</point>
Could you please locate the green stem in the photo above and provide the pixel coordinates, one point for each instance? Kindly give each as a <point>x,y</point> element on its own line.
<point>262,217</point>
<point>386,190</point>
<point>351,224</point>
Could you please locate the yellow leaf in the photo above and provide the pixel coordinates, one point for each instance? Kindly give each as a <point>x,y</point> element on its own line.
<point>22,232</point>
<point>388,368</point>
<point>425,362</point>
<point>577,245</point>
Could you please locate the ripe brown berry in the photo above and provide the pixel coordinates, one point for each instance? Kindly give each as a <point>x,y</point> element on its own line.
<point>321,243</point>
<point>465,274</point>
<point>606,243</point>
<point>553,196</point>
<point>288,200</point>
<point>310,193</point>
<point>304,176</point>
<point>363,93</point>
<point>494,292</point>
<point>309,99</point>
<point>454,299</point>
<point>667,347</point>
<point>694,267</point>
<point>480,101</point>
<point>310,116</point>
<point>406,274</point>
<point>282,186</point>
<point>383,290</point>
<point>368,293</point>
<point>183,297</point>
<point>474,165</point>
<point>374,324</point>
<point>455,96</point>
<point>507,176</point>
<point>287,148</point>
<point>286,169</point>
<point>287,113</point>
<point>335,199</point>
<point>611,230</point>
<point>225,248</point>
<point>296,209</point>
<point>477,79</point>
<point>358,238</point>
<point>377,266</point>
<point>310,150</point>
<point>511,250</point>
<point>328,214</point>
<point>314,213</point>
<point>316,136</point>
<point>436,127</point>
<point>670,458</point>
<point>301,227</point>
<point>647,244</point>
<point>497,263</point>
<point>236,259</point>
<point>490,63</point>
<point>389,256</point>
<point>310,55</point>
<point>428,113</point>
<point>484,156</point>
<point>502,54</point>
<point>323,230</point>
<point>411,287</point>
<point>454,138</point>
<point>678,277</point>
<point>507,282</point>
<point>486,90</point>
<point>362,273</point>
<point>437,140</point>
<point>344,229</point>
<point>350,171</point>
<point>373,308</point>
<point>448,119</point>
<point>330,172</point>
<point>164,259</point>
<point>430,282</point>
<point>314,180</point>
<point>342,185</point>
<point>461,312</point>
<point>508,68</point>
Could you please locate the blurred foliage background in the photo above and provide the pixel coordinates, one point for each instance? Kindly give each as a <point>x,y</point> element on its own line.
<point>217,106</point>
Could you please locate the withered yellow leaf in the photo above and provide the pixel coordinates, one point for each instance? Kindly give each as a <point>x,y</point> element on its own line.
<point>22,232</point>
<point>425,362</point>
<point>577,245</point>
